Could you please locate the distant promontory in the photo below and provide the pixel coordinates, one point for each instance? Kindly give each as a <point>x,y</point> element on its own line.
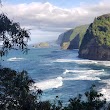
<point>42,45</point>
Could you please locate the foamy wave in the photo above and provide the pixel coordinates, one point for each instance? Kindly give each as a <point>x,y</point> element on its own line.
<point>64,60</point>
<point>66,71</point>
<point>83,78</point>
<point>77,61</point>
<point>84,71</point>
<point>15,59</point>
<point>103,63</point>
<point>48,84</point>
<point>83,74</point>
<point>106,89</point>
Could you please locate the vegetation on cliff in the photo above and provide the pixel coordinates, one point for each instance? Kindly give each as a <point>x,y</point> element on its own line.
<point>101,29</point>
<point>96,42</point>
<point>72,37</point>
<point>80,30</point>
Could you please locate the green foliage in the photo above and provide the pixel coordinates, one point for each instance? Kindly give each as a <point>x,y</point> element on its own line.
<point>57,105</point>
<point>15,95</point>
<point>72,39</point>
<point>93,101</point>
<point>14,91</point>
<point>12,35</point>
<point>101,29</point>
<point>87,37</point>
<point>80,30</point>
<point>98,30</point>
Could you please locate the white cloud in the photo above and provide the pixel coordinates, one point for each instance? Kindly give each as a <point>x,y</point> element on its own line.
<point>47,17</point>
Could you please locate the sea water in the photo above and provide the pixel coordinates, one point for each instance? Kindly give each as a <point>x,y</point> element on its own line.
<point>60,72</point>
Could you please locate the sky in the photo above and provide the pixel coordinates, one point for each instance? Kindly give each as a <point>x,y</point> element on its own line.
<point>47,19</point>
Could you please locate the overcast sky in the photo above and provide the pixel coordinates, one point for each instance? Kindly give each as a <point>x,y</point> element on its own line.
<point>49,18</point>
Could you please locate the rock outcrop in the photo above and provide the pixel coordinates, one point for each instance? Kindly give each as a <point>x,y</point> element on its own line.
<point>42,45</point>
<point>72,38</point>
<point>96,42</point>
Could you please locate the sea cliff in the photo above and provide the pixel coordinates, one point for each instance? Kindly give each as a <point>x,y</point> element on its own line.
<point>96,42</point>
<point>72,38</point>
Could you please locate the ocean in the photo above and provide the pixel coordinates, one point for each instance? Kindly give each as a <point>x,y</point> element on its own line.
<point>60,72</point>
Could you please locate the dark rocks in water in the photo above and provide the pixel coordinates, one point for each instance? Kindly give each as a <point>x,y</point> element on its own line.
<point>96,42</point>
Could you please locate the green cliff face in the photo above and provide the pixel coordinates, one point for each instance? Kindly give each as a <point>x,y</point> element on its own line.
<point>79,31</point>
<point>96,42</point>
<point>72,39</point>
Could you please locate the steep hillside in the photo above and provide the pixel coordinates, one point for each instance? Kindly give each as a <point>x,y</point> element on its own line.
<point>96,42</point>
<point>72,39</point>
<point>64,37</point>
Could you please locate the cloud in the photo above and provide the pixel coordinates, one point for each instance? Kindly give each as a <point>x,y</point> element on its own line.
<point>47,17</point>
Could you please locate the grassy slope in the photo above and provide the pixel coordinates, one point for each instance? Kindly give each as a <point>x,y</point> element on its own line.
<point>81,30</point>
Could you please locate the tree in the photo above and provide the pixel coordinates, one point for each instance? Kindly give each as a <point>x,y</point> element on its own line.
<point>14,86</point>
<point>12,36</point>
<point>14,91</point>
<point>94,101</point>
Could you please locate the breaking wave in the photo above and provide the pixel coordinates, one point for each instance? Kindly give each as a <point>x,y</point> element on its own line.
<point>105,90</point>
<point>48,84</point>
<point>84,71</point>
<point>80,61</point>
<point>83,74</point>
<point>77,61</point>
<point>83,78</point>
<point>15,59</point>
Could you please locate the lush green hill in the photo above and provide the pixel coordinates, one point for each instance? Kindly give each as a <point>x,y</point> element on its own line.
<point>80,30</point>
<point>72,39</point>
<point>96,42</point>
